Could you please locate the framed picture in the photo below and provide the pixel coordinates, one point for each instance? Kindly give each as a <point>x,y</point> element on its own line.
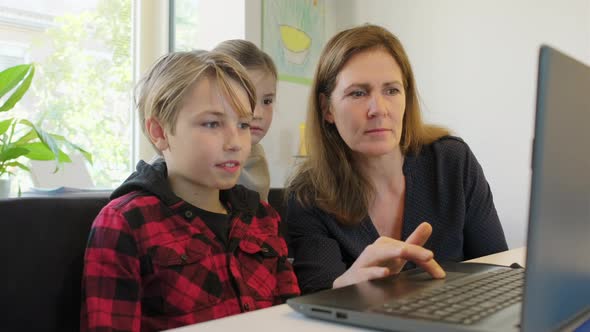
<point>293,35</point>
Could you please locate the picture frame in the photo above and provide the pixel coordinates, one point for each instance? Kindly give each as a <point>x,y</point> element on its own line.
<point>293,34</point>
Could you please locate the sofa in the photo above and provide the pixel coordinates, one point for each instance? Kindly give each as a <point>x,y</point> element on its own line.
<point>42,246</point>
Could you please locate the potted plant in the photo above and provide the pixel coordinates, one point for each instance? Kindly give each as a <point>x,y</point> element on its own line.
<point>21,138</point>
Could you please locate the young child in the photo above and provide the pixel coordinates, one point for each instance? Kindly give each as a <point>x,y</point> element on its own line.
<point>263,73</point>
<point>180,243</point>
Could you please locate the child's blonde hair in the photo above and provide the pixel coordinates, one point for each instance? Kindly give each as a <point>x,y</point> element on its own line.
<point>248,55</point>
<point>161,92</point>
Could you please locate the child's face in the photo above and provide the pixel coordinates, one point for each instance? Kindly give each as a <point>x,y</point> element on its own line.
<point>266,89</point>
<point>211,141</point>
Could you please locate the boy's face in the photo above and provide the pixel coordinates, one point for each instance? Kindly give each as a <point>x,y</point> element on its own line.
<point>266,89</point>
<point>211,141</point>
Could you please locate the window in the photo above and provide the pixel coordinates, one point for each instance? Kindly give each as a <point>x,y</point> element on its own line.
<point>84,75</point>
<point>12,54</point>
<point>84,79</point>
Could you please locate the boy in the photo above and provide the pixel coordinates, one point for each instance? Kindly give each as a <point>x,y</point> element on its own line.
<point>180,243</point>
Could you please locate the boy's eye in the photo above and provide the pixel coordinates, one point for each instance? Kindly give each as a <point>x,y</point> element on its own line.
<point>244,125</point>
<point>211,124</point>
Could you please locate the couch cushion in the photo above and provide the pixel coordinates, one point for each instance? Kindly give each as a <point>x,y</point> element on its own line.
<point>42,246</point>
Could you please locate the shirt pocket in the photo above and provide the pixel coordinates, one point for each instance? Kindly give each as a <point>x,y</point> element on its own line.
<point>259,259</point>
<point>185,277</point>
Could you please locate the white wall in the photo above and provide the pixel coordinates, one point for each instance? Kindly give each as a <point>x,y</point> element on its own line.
<point>218,23</point>
<point>475,64</point>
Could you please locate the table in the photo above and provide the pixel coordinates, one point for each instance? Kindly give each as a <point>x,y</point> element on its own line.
<point>282,318</point>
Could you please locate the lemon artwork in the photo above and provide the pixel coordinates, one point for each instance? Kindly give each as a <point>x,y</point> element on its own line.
<point>296,44</point>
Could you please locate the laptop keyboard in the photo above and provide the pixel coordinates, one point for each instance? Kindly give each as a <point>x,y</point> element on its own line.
<point>462,301</point>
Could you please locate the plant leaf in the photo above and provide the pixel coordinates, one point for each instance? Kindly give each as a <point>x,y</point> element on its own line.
<point>58,137</point>
<point>38,151</point>
<point>9,78</point>
<point>20,91</point>
<point>63,157</point>
<point>31,135</point>
<point>45,138</point>
<point>13,153</point>
<point>5,124</point>
<point>87,155</point>
<point>19,165</point>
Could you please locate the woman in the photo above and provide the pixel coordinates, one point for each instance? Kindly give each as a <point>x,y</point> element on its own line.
<point>379,187</point>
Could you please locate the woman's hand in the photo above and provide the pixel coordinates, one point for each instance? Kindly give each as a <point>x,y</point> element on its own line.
<point>388,256</point>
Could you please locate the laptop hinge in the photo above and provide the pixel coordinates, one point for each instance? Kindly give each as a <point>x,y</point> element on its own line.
<point>580,322</point>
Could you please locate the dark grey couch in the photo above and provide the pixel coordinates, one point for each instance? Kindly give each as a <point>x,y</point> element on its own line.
<point>42,243</point>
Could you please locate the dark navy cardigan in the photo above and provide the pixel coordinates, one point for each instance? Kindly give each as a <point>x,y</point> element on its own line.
<point>445,186</point>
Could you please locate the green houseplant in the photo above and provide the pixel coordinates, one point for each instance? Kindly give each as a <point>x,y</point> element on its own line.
<point>21,138</point>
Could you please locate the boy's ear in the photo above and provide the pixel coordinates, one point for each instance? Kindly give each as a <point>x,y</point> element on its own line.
<point>326,109</point>
<point>156,134</point>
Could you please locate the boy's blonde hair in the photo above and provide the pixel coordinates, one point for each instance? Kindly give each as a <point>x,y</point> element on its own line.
<point>248,55</point>
<point>161,92</point>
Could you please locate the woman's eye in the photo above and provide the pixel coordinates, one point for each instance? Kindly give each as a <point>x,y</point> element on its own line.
<point>267,101</point>
<point>393,91</point>
<point>211,124</point>
<point>358,93</point>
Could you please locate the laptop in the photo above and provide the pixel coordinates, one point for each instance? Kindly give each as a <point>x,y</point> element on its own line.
<point>553,292</point>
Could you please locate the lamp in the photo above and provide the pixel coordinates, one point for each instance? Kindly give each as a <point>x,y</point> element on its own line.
<point>302,149</point>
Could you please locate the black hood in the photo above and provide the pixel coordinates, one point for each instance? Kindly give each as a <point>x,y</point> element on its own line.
<point>153,179</point>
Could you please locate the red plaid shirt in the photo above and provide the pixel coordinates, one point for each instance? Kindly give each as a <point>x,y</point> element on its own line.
<point>152,266</point>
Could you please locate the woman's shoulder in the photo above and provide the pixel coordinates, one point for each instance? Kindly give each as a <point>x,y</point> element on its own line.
<point>450,142</point>
<point>448,147</point>
<point>296,205</point>
<point>307,213</point>
<point>447,153</point>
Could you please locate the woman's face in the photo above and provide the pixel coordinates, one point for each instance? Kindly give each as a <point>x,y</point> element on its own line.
<point>368,103</point>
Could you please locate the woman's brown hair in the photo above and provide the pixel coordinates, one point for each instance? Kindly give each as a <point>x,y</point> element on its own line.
<point>329,178</point>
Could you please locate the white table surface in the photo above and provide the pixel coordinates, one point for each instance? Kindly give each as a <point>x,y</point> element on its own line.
<point>282,318</point>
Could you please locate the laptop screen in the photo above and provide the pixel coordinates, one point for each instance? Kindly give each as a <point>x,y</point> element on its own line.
<point>557,286</point>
